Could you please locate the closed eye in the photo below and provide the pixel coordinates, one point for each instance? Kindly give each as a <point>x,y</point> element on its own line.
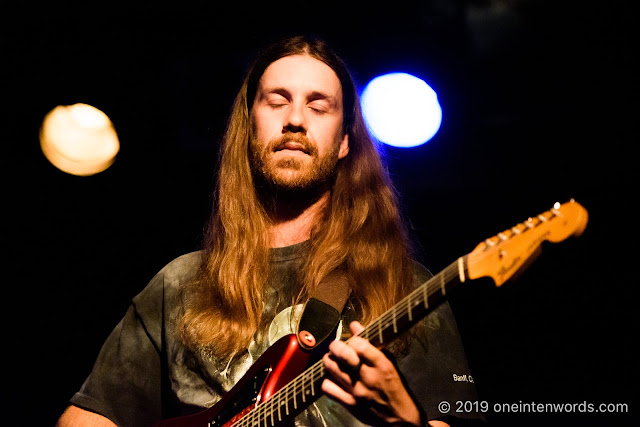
<point>276,99</point>
<point>318,110</point>
<point>321,103</point>
<point>320,106</point>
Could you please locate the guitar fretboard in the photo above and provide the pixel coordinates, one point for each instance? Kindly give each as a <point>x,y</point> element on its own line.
<point>292,399</point>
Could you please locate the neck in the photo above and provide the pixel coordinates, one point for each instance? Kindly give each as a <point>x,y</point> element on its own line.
<point>292,218</point>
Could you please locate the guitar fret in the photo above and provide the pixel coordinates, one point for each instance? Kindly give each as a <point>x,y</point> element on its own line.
<point>295,401</point>
<point>424,296</point>
<point>271,411</point>
<point>395,326</point>
<point>286,402</point>
<point>313,393</point>
<point>262,416</point>
<point>380,332</point>
<point>279,404</point>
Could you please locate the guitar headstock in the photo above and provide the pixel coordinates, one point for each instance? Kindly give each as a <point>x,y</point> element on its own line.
<point>504,254</point>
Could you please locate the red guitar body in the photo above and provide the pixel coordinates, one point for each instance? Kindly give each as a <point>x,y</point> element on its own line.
<point>278,365</point>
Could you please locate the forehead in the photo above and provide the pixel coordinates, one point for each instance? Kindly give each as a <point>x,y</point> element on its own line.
<point>301,73</point>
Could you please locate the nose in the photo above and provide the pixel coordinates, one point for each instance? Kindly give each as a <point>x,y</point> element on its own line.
<point>295,120</point>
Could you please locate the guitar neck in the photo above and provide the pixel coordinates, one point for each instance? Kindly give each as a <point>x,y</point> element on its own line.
<point>292,399</point>
<point>416,305</point>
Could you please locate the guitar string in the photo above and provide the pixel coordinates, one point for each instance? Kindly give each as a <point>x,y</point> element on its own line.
<point>405,305</point>
<point>315,373</point>
<point>447,274</point>
<point>317,370</point>
<point>390,317</point>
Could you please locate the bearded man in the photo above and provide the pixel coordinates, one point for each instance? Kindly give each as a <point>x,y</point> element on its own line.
<point>302,197</point>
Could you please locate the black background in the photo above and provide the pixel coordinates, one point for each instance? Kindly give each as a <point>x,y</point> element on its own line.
<point>540,104</point>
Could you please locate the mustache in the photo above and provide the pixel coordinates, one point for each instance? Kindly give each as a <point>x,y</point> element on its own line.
<point>290,140</point>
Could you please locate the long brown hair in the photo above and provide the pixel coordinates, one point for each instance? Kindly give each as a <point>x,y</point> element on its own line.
<point>360,231</point>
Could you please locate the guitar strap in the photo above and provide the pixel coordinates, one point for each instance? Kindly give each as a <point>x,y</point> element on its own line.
<point>322,312</point>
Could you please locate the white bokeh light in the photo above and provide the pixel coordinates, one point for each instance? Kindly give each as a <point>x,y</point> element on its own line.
<point>401,110</point>
<point>79,139</point>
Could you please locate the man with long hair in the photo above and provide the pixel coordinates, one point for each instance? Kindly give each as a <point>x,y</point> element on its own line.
<point>302,197</point>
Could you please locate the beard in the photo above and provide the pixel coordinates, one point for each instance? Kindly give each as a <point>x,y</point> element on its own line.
<point>295,173</point>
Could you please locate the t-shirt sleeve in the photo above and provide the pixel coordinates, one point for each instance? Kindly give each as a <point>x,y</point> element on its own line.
<point>125,382</point>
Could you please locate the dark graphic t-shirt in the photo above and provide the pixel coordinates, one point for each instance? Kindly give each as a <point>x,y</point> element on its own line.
<point>144,373</point>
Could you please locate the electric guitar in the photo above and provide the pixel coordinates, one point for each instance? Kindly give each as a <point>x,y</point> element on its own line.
<point>285,380</point>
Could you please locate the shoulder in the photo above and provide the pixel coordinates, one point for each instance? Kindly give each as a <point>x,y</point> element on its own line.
<point>178,271</point>
<point>420,273</point>
<point>167,284</point>
<point>182,268</point>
